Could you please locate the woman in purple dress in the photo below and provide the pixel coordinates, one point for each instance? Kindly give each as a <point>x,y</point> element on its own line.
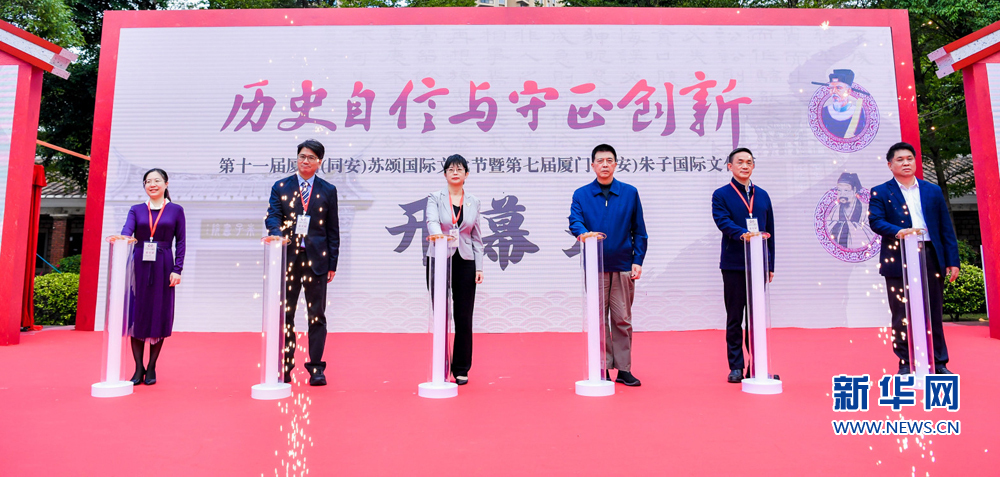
<point>156,224</point>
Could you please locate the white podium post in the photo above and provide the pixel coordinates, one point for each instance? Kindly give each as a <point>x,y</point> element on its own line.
<point>763,380</point>
<point>918,316</point>
<point>592,261</point>
<point>272,385</point>
<point>439,275</point>
<point>115,312</point>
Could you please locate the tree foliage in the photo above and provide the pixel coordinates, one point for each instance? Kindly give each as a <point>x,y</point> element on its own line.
<point>944,127</point>
<point>49,19</point>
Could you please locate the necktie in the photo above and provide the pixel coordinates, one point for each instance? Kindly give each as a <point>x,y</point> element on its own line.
<point>304,191</point>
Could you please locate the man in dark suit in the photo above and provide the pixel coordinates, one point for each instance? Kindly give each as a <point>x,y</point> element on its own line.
<point>902,206</point>
<point>303,209</point>
<point>735,207</point>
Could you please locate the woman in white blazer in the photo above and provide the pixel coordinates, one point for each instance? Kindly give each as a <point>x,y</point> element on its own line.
<point>452,209</point>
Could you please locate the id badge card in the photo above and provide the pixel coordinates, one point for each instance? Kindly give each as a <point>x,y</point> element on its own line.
<point>149,251</point>
<point>302,225</point>
<point>453,240</point>
<point>752,225</point>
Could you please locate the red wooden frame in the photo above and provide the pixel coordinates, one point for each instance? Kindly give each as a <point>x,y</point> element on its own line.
<point>114,22</point>
<point>17,208</point>
<point>982,135</point>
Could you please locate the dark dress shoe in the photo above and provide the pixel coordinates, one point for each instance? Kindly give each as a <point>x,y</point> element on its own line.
<point>288,377</point>
<point>627,379</point>
<point>150,377</point>
<point>461,380</point>
<point>941,369</point>
<point>138,377</point>
<point>317,379</point>
<point>735,376</point>
<point>903,370</point>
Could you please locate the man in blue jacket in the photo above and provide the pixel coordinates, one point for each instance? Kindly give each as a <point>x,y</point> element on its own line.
<point>612,207</point>
<point>303,209</point>
<point>902,206</point>
<point>736,206</point>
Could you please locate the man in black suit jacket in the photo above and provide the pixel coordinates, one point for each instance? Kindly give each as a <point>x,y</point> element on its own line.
<point>303,209</point>
<point>902,206</point>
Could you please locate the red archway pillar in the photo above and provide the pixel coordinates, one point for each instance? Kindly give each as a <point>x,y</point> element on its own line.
<point>17,208</point>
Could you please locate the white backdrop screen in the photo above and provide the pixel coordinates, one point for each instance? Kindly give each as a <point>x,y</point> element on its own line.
<point>222,108</point>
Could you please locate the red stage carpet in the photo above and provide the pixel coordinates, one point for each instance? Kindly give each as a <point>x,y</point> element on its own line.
<point>517,416</point>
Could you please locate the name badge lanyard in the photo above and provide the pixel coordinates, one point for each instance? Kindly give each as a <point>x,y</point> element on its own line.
<point>461,204</point>
<point>454,219</point>
<point>152,225</point>
<point>750,193</point>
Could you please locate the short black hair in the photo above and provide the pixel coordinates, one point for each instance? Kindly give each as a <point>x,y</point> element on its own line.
<point>603,148</point>
<point>736,151</point>
<point>898,147</point>
<point>455,159</point>
<point>314,146</point>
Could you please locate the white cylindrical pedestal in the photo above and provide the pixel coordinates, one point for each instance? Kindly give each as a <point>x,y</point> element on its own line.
<point>437,390</point>
<point>272,323</point>
<point>919,339</point>
<point>757,303</point>
<point>437,387</point>
<point>111,385</point>
<point>594,385</point>
<point>111,389</point>
<point>595,388</point>
<point>271,391</point>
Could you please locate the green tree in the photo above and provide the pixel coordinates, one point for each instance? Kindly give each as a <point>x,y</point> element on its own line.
<point>49,19</point>
<point>67,112</point>
<point>944,128</point>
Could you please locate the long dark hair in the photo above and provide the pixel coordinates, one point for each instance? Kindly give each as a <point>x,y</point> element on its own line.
<point>162,173</point>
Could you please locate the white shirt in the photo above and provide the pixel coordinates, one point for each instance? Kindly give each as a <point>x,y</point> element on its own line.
<point>912,197</point>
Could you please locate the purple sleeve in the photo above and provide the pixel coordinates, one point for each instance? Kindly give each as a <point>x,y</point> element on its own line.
<point>129,227</point>
<point>180,241</point>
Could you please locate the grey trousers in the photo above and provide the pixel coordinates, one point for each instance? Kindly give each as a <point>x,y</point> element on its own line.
<point>619,293</point>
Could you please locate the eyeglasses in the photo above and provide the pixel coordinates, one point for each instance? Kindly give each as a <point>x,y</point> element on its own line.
<point>305,157</point>
<point>455,170</point>
<point>604,161</point>
<point>153,181</point>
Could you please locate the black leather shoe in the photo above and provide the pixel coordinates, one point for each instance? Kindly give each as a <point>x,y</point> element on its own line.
<point>735,376</point>
<point>150,377</point>
<point>288,377</point>
<point>138,377</point>
<point>461,380</point>
<point>941,369</point>
<point>627,379</point>
<point>903,370</point>
<point>317,379</point>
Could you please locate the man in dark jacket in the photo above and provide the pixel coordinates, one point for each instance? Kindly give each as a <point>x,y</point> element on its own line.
<point>902,206</point>
<point>303,209</point>
<point>737,207</point>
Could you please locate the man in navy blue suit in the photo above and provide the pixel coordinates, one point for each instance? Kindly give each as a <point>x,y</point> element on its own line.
<point>735,207</point>
<point>902,206</point>
<point>303,209</point>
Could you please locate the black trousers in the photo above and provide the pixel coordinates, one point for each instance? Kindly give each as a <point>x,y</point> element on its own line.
<point>935,295</point>
<point>463,296</point>
<point>300,275</point>
<point>734,290</point>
